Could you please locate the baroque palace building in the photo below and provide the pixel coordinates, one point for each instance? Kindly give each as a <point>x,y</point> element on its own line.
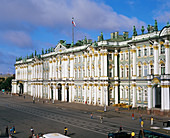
<point>132,70</point>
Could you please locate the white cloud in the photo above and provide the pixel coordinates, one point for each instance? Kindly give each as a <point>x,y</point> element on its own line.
<point>57,14</point>
<point>18,38</point>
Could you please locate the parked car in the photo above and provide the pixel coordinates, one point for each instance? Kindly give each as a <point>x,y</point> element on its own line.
<point>119,135</point>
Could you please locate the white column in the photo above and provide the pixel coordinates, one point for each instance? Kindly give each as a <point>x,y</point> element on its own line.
<point>56,93</point>
<point>134,62</point>
<point>105,65</point>
<point>106,94</point>
<point>63,92</point>
<point>101,96</point>
<point>16,74</point>
<point>85,93</point>
<point>163,97</point>
<point>73,92</point>
<point>71,66</point>
<point>167,57</point>
<point>90,93</point>
<point>95,94</point>
<point>116,93</point>
<point>96,64</point>
<point>134,94</point>
<point>102,65</point>
<point>167,105</point>
<point>90,65</point>
<point>48,89</point>
<point>156,67</point>
<point>85,66</point>
<point>149,96</point>
<point>116,63</point>
<point>70,93</point>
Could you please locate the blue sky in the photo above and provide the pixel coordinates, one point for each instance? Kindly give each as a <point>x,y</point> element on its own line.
<point>29,25</point>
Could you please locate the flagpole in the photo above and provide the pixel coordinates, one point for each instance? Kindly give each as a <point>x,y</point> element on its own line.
<point>72,30</point>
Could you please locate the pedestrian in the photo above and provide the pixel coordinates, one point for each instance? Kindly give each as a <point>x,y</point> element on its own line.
<point>13,129</point>
<point>133,116</point>
<point>101,119</point>
<point>32,131</point>
<point>24,96</point>
<point>91,116</point>
<point>140,118</point>
<point>132,134</point>
<point>120,128</point>
<point>65,131</point>
<point>6,131</point>
<point>142,123</point>
<point>151,120</point>
<point>33,100</point>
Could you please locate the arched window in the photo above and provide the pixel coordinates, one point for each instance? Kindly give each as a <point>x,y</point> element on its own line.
<point>145,95</point>
<point>162,69</point>
<point>145,70</point>
<point>127,71</point>
<point>139,95</point>
<point>140,71</point>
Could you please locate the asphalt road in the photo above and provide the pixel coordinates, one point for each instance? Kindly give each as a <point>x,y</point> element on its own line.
<point>45,118</point>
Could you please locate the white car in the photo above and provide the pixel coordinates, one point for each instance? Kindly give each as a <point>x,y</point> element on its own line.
<point>54,135</point>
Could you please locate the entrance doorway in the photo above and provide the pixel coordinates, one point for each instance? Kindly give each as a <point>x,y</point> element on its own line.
<point>67,93</point>
<point>21,90</point>
<point>157,96</point>
<point>59,91</point>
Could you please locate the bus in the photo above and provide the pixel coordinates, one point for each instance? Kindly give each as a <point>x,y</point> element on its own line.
<point>154,132</point>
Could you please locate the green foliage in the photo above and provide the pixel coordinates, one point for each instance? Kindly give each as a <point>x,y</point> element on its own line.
<point>46,51</point>
<point>6,84</point>
<point>156,26</point>
<point>42,51</point>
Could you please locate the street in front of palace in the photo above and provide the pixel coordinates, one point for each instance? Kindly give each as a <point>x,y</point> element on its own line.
<point>47,117</point>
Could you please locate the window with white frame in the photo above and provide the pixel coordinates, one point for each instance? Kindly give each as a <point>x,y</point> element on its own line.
<point>139,52</point>
<point>139,95</point>
<point>126,56</point>
<point>121,93</point>
<point>127,71</point>
<point>127,93</point>
<point>145,96</point>
<point>139,71</point>
<point>162,49</point>
<point>80,73</point>
<point>121,56</point>
<point>162,69</point>
<point>145,52</point>
<point>110,56</point>
<point>151,51</point>
<point>145,70</point>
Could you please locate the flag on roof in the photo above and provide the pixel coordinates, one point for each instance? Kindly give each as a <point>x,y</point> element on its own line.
<point>73,22</point>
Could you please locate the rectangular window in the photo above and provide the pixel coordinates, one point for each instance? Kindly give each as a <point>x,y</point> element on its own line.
<point>127,72</point>
<point>151,51</point>
<point>127,55</point>
<point>140,71</point>
<point>145,52</point>
<point>121,56</point>
<point>162,49</point>
<point>139,53</point>
<point>152,70</point>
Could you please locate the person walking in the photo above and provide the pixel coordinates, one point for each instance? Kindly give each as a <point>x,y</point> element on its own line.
<point>151,120</point>
<point>120,128</point>
<point>133,116</point>
<point>140,118</point>
<point>142,123</point>
<point>101,119</point>
<point>13,129</point>
<point>6,131</point>
<point>132,134</point>
<point>65,131</point>
<point>32,131</point>
<point>91,116</point>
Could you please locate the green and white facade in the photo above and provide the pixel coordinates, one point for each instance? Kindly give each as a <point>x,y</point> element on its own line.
<point>133,70</point>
